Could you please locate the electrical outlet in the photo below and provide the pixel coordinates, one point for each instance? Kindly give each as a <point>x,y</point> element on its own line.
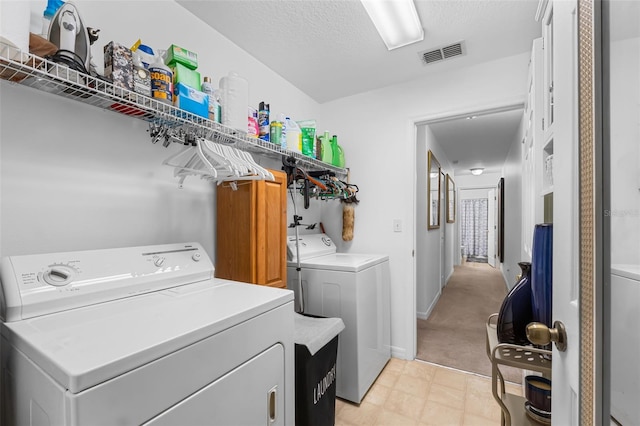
<point>397,225</point>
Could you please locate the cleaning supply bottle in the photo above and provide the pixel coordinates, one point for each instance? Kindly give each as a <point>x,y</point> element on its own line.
<point>283,138</point>
<point>338,153</point>
<point>253,130</point>
<point>326,150</point>
<point>234,98</point>
<point>214,105</point>
<point>263,121</point>
<point>161,79</point>
<point>275,132</point>
<point>294,136</point>
<point>141,77</point>
<point>48,14</point>
<point>144,52</point>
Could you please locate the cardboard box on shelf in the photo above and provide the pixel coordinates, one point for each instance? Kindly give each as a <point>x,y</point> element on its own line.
<point>192,100</point>
<point>176,54</point>
<point>118,65</point>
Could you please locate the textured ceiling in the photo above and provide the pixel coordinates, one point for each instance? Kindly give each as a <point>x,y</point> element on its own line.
<point>480,142</point>
<point>330,49</point>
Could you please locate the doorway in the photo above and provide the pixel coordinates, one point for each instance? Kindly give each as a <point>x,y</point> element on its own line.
<point>438,251</point>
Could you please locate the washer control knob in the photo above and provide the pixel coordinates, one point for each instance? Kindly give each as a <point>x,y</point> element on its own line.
<point>159,261</point>
<point>58,276</point>
<point>196,257</point>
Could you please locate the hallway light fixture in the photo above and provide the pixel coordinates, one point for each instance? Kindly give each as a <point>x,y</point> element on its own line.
<point>477,171</point>
<point>397,21</point>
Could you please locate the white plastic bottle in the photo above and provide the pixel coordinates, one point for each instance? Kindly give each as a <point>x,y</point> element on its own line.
<point>161,80</point>
<point>234,98</point>
<point>294,135</point>
<point>283,139</point>
<point>214,105</point>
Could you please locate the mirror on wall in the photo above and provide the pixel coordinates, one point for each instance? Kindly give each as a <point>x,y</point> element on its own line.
<point>433,191</point>
<point>451,200</point>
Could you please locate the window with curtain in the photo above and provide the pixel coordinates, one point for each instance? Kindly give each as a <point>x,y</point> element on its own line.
<point>474,226</point>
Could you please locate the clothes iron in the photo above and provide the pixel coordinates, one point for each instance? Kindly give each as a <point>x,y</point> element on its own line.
<point>72,38</point>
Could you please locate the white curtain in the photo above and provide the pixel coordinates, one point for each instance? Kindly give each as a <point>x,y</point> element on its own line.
<point>474,214</point>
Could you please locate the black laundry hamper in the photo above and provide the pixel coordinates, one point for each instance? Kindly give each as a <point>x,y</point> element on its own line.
<point>315,379</point>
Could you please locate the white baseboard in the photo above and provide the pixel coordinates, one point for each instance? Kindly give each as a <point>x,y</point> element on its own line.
<point>400,353</point>
<point>425,315</point>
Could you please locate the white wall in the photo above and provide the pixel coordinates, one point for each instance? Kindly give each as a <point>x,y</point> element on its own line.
<point>512,172</point>
<point>74,177</point>
<point>472,194</point>
<point>625,152</point>
<point>378,134</point>
<point>428,241</point>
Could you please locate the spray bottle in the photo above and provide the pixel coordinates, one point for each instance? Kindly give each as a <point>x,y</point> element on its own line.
<point>47,16</point>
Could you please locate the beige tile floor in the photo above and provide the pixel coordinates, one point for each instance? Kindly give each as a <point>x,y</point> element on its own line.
<point>419,393</point>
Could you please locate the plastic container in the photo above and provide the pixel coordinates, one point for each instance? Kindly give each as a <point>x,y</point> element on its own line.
<point>234,98</point>
<point>275,132</point>
<point>253,130</point>
<point>263,121</point>
<point>161,80</point>
<point>340,160</point>
<point>146,55</point>
<point>141,77</point>
<point>294,135</point>
<point>48,14</point>
<point>214,105</point>
<point>283,138</point>
<point>327,150</point>
<point>338,154</point>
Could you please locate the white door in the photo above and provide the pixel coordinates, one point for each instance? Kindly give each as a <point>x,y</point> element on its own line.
<point>491,227</point>
<point>565,365</point>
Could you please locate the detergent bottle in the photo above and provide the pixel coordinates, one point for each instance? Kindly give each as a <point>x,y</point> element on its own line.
<point>161,79</point>
<point>338,154</point>
<point>294,135</point>
<point>326,148</point>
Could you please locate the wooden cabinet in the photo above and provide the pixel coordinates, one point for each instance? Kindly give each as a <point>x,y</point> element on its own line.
<point>251,240</point>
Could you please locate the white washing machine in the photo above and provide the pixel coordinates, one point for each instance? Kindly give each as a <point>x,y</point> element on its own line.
<point>141,335</point>
<point>354,287</point>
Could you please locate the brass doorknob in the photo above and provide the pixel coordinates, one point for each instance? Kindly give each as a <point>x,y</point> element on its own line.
<point>540,334</point>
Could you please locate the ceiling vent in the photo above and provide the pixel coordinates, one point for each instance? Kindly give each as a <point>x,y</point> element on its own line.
<point>442,53</point>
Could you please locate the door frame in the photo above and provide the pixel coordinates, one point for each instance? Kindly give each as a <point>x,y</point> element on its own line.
<point>594,384</point>
<point>491,227</point>
<point>412,127</point>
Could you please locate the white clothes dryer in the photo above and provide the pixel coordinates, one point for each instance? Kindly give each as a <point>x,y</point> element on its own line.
<point>141,335</point>
<point>354,287</point>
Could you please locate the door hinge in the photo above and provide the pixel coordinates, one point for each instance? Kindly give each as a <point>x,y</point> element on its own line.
<point>413,253</point>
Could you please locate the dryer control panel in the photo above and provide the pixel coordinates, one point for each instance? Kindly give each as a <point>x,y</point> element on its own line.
<point>310,246</point>
<point>41,284</point>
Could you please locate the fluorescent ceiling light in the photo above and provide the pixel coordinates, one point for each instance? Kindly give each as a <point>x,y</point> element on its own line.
<point>396,20</point>
<point>477,171</point>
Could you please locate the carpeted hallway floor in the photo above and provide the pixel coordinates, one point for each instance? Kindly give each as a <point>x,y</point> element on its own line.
<point>454,335</point>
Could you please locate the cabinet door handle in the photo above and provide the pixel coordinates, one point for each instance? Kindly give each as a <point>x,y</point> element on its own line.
<point>272,402</point>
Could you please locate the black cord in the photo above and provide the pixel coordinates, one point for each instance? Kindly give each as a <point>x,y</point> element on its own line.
<point>70,59</point>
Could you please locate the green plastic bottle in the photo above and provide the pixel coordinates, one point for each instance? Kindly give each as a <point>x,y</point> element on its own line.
<point>327,148</point>
<point>336,152</point>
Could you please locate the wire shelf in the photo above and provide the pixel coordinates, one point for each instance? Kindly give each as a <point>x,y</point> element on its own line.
<point>39,73</point>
